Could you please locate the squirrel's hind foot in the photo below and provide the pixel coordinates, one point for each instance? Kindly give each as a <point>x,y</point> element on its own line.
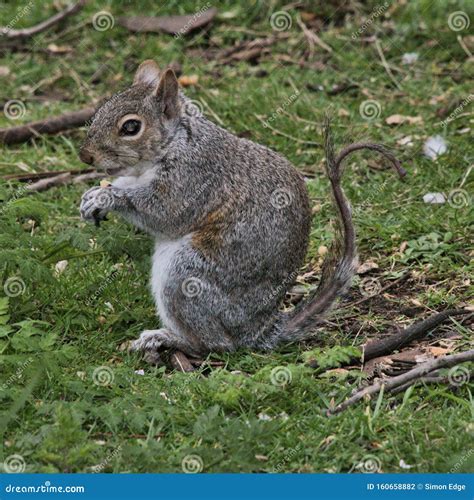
<point>152,342</point>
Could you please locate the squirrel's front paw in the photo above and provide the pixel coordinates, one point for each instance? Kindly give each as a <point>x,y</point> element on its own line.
<point>95,204</point>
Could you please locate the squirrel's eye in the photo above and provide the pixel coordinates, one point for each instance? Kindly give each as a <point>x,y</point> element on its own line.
<point>131,127</point>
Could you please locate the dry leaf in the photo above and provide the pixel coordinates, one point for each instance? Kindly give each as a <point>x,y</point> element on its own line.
<point>59,49</point>
<point>367,266</point>
<point>399,119</point>
<point>188,80</point>
<point>104,183</point>
<point>4,71</point>
<point>262,458</point>
<point>337,371</point>
<point>405,141</point>
<point>322,250</point>
<point>307,16</point>
<point>439,351</point>
<point>60,267</point>
<point>342,113</point>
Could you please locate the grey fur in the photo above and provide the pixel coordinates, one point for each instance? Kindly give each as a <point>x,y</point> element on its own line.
<point>244,207</point>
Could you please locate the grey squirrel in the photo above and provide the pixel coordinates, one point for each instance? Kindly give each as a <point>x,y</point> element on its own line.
<point>231,220</point>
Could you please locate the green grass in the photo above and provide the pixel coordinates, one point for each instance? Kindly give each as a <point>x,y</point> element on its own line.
<point>63,328</point>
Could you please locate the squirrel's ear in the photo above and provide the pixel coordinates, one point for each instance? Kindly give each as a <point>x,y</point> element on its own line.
<point>167,93</point>
<point>147,73</point>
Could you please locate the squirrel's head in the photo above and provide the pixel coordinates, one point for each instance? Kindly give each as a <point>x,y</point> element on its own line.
<point>134,127</point>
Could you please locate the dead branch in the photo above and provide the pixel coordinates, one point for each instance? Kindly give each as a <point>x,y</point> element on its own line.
<point>63,179</point>
<point>312,38</point>
<point>43,175</point>
<point>180,362</point>
<point>22,133</point>
<point>385,63</point>
<point>49,182</point>
<point>387,345</point>
<point>12,34</point>
<point>431,379</point>
<point>406,379</point>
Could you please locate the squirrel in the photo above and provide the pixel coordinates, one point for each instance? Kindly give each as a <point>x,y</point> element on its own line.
<point>231,219</point>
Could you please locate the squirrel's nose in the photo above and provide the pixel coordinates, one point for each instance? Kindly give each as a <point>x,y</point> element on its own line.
<point>86,156</point>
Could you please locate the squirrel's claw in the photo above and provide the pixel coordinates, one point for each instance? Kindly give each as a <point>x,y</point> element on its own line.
<point>96,203</point>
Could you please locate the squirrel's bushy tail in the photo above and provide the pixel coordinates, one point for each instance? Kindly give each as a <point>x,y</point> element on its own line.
<point>340,264</point>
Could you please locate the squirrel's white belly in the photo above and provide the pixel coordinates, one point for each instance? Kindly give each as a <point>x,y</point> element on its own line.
<point>163,258</point>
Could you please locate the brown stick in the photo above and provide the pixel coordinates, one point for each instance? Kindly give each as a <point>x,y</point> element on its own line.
<point>398,340</point>
<point>22,133</point>
<point>12,34</point>
<point>34,176</point>
<point>49,182</point>
<point>428,380</point>
<point>406,379</point>
<point>180,362</point>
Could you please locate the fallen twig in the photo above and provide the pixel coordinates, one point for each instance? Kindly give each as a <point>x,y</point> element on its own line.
<point>312,38</point>
<point>49,182</point>
<point>22,133</point>
<point>180,362</point>
<point>18,34</point>
<point>406,379</point>
<point>387,345</point>
<point>385,64</point>
<point>43,175</point>
<point>428,380</point>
